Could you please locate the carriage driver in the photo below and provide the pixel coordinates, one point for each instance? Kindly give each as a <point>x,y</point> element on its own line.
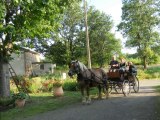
<point>114,63</point>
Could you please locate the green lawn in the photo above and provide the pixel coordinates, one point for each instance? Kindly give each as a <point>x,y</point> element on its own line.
<point>152,72</point>
<point>39,103</point>
<point>43,102</point>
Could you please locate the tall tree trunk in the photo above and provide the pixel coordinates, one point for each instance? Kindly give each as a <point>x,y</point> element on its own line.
<point>145,62</point>
<point>4,79</point>
<point>4,69</point>
<point>87,37</point>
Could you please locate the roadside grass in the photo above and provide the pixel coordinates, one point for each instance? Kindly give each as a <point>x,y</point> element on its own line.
<point>158,102</point>
<point>39,103</point>
<point>43,102</point>
<point>150,73</point>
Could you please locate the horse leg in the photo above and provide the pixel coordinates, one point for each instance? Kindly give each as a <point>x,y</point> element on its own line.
<point>88,96</point>
<point>107,89</point>
<point>83,97</point>
<point>99,92</point>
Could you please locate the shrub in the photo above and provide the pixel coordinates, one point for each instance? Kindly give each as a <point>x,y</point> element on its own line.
<point>156,75</point>
<point>70,85</point>
<point>47,85</point>
<point>142,75</point>
<point>135,61</point>
<point>20,95</point>
<point>57,83</point>
<point>150,73</point>
<point>25,82</point>
<point>6,101</point>
<point>35,85</point>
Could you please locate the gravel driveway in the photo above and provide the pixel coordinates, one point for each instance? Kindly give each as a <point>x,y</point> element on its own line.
<point>137,106</point>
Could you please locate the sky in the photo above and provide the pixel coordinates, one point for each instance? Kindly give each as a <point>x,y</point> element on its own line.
<point>112,8</point>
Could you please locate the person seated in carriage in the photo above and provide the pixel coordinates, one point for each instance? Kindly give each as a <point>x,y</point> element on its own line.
<point>132,70</point>
<point>114,64</point>
<point>122,67</point>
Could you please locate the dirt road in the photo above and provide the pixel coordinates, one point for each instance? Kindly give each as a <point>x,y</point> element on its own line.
<point>137,106</point>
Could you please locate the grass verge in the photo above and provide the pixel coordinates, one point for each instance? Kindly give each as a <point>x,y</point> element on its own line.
<point>39,103</point>
<point>43,102</point>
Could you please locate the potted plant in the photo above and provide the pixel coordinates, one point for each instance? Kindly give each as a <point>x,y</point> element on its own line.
<point>20,99</point>
<point>57,88</point>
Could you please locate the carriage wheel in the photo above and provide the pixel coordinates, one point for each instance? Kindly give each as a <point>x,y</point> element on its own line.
<point>110,89</point>
<point>126,87</point>
<point>135,84</point>
<point>118,88</point>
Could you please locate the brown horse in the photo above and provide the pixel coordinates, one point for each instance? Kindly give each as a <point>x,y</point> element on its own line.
<point>87,78</point>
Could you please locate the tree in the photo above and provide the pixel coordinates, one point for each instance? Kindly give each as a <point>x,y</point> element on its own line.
<point>72,35</point>
<point>56,53</point>
<point>140,20</point>
<point>68,35</point>
<point>87,35</point>
<point>20,22</point>
<point>103,43</point>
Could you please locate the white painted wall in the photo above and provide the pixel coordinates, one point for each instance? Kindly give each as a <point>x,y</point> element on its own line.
<point>18,63</point>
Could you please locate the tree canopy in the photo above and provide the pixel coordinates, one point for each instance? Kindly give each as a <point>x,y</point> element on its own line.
<point>72,36</point>
<point>140,20</point>
<point>21,21</point>
<point>25,23</point>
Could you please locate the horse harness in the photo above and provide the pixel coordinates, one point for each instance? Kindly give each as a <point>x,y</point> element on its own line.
<point>82,69</point>
<point>92,79</point>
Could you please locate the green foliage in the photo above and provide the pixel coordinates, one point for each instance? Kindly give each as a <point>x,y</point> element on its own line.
<point>139,25</point>
<point>142,75</point>
<point>20,95</point>
<point>25,82</point>
<point>55,75</point>
<point>28,24</point>
<point>70,85</point>
<point>6,101</point>
<point>57,53</point>
<point>47,85</point>
<point>154,72</point>
<point>66,40</point>
<point>34,87</point>
<point>150,73</point>
<point>135,61</point>
<point>70,43</point>
<point>41,103</point>
<point>57,82</point>
<point>100,36</point>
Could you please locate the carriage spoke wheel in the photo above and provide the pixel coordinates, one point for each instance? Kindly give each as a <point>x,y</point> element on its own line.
<point>136,85</point>
<point>118,88</point>
<point>126,87</point>
<point>110,89</point>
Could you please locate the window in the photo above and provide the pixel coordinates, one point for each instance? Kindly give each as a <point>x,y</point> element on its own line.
<point>42,66</point>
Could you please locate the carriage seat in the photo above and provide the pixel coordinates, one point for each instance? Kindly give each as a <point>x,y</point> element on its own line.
<point>113,73</point>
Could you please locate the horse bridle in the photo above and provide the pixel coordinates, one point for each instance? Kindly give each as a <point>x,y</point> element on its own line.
<point>76,68</point>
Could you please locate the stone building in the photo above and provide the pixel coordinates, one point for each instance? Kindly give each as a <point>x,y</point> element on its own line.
<point>28,63</point>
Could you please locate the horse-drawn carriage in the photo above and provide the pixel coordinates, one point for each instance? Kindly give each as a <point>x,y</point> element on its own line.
<point>97,77</point>
<point>123,85</point>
